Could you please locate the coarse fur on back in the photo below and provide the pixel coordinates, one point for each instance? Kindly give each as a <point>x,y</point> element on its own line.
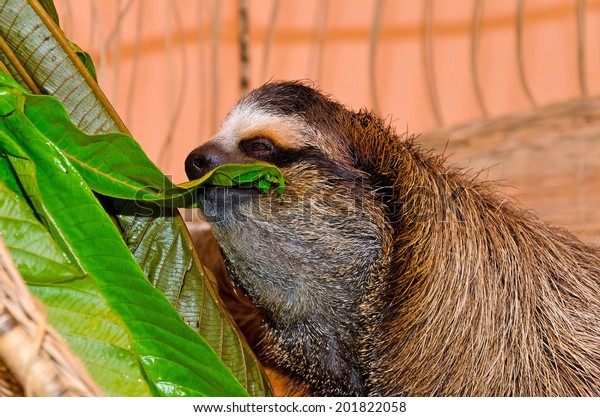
<point>385,272</point>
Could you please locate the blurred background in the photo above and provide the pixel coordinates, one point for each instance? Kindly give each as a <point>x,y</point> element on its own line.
<point>508,87</point>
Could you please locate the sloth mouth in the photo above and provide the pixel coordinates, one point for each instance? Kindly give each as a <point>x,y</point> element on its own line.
<point>235,190</point>
<point>219,203</point>
<point>211,192</point>
<point>232,206</point>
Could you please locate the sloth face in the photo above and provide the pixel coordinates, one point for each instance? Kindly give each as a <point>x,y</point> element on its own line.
<point>322,239</point>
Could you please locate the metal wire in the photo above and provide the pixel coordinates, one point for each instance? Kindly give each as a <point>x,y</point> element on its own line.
<point>476,23</point>
<point>520,60</point>
<point>429,64</point>
<point>244,55</point>
<point>139,21</point>
<point>214,49</point>
<point>378,16</point>
<point>270,39</point>
<point>581,48</point>
<point>176,106</point>
<point>315,65</point>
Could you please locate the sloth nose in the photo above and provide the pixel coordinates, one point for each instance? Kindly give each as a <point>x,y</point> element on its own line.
<point>203,159</point>
<point>207,157</point>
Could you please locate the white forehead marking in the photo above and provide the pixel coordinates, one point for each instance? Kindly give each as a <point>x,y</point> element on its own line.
<point>246,119</point>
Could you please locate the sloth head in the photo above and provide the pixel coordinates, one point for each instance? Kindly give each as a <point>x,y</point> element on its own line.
<point>306,258</point>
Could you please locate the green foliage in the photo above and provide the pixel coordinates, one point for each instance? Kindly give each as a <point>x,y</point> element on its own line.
<point>154,232</point>
<point>85,58</point>
<point>52,64</point>
<point>98,294</point>
<point>113,164</point>
<point>48,5</point>
<point>260,176</point>
<point>180,276</point>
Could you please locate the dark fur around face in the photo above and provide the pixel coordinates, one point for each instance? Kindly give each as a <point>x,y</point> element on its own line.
<point>383,272</point>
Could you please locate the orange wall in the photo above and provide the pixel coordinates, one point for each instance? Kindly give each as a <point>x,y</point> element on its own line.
<point>171,67</point>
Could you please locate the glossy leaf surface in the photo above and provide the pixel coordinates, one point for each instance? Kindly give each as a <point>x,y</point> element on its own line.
<point>174,359</point>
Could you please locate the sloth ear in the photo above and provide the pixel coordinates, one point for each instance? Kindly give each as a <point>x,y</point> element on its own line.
<point>371,140</point>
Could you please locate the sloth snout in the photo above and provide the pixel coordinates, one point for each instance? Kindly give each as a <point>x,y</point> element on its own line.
<point>207,157</point>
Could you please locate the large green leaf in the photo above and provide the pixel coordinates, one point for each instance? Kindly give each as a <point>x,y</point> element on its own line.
<point>7,174</point>
<point>175,360</point>
<point>48,6</point>
<point>33,249</point>
<point>49,60</point>
<point>176,272</point>
<point>113,164</point>
<point>78,311</point>
<point>74,304</point>
<point>44,56</point>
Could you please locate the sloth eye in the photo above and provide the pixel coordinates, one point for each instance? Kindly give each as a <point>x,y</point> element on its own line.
<point>260,148</point>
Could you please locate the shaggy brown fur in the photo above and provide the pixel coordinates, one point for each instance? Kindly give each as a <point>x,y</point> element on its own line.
<point>384,272</point>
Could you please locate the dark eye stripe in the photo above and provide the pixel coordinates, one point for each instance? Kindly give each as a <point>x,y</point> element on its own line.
<point>266,150</point>
<point>259,148</point>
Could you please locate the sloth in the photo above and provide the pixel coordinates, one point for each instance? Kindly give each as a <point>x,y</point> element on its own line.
<point>385,272</point>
